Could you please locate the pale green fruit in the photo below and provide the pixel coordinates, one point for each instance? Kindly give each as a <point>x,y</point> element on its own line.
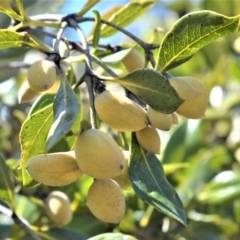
<point>133,61</point>
<point>149,139</point>
<point>106,201</point>
<point>159,120</point>
<point>119,112</point>
<point>26,93</point>
<point>194,108</point>
<point>123,179</point>
<point>58,208</point>
<point>42,75</point>
<point>184,89</point>
<point>54,169</point>
<point>98,155</point>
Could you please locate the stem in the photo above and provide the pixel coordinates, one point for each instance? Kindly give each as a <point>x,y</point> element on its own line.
<point>13,65</point>
<point>19,221</point>
<point>21,9</point>
<point>89,82</point>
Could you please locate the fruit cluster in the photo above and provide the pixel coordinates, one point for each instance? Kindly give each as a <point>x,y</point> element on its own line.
<point>96,153</point>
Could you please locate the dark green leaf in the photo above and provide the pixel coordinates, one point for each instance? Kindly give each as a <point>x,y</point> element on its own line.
<point>126,15</point>
<point>97,30</point>
<point>111,236</point>
<point>66,109</point>
<point>6,184</point>
<point>150,184</point>
<point>11,39</point>
<point>189,34</point>
<point>64,234</point>
<point>152,88</point>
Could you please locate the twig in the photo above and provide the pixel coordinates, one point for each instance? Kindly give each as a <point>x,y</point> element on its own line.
<point>19,221</point>
<point>12,65</point>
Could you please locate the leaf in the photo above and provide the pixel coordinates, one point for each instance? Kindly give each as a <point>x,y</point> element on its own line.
<point>97,30</point>
<point>6,184</point>
<point>223,188</point>
<point>11,39</point>
<point>126,15</point>
<point>6,8</point>
<point>41,102</point>
<point>66,109</point>
<point>111,236</point>
<point>189,34</point>
<point>88,5</point>
<point>152,88</point>
<point>150,184</point>
<point>63,234</point>
<point>33,136</point>
<point>116,57</point>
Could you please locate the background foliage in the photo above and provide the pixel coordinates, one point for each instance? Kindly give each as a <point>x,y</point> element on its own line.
<point>200,157</point>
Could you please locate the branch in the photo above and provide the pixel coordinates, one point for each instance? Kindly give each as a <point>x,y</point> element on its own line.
<point>19,221</point>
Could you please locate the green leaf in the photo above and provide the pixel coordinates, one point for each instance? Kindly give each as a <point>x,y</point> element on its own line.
<point>11,39</point>
<point>41,102</point>
<point>111,236</point>
<point>6,184</point>
<point>150,184</point>
<point>97,29</point>
<point>116,57</point>
<point>152,88</point>
<point>66,108</point>
<point>223,188</point>
<point>126,15</point>
<point>190,33</point>
<point>63,234</point>
<point>6,8</point>
<point>33,136</point>
<point>88,5</point>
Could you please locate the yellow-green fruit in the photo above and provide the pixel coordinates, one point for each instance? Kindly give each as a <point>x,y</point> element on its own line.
<point>119,112</point>
<point>98,155</point>
<point>25,93</point>
<point>106,201</point>
<point>58,208</point>
<point>41,75</point>
<point>196,107</point>
<point>123,179</point>
<point>159,120</point>
<point>149,139</point>
<point>54,169</point>
<point>133,61</point>
<point>184,89</point>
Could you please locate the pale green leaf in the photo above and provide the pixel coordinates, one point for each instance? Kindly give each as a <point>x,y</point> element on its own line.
<point>66,108</point>
<point>87,6</point>
<point>152,88</point>
<point>150,184</point>
<point>6,8</point>
<point>116,57</point>
<point>6,184</point>
<point>97,29</point>
<point>190,33</point>
<point>11,39</point>
<point>126,15</point>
